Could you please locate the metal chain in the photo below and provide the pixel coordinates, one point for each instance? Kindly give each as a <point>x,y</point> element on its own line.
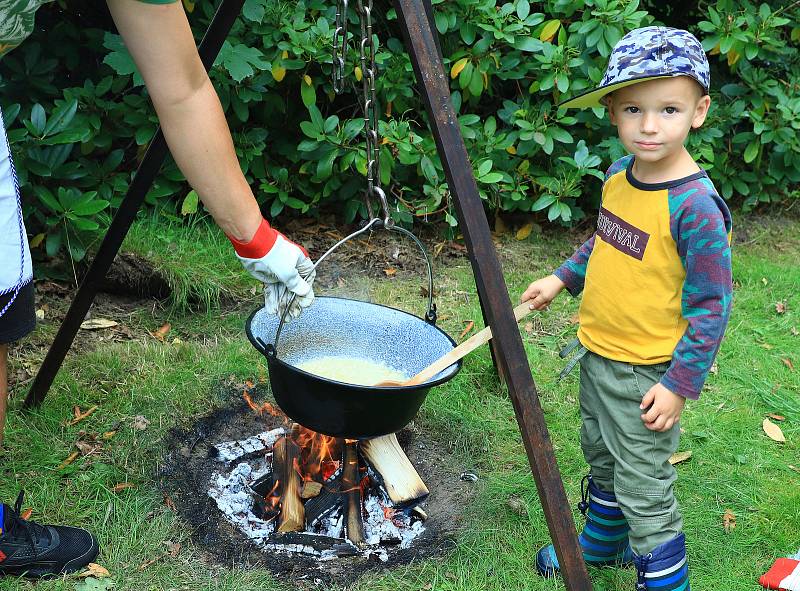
<point>339,53</point>
<point>369,73</point>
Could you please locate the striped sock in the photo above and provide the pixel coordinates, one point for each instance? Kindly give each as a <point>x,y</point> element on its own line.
<point>665,568</point>
<point>604,539</point>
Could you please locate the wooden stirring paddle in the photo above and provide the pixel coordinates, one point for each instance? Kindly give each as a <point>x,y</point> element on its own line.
<point>457,353</point>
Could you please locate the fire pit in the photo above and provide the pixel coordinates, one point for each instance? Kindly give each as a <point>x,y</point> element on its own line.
<point>313,508</point>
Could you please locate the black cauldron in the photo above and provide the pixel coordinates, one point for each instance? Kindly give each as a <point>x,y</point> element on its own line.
<point>349,328</point>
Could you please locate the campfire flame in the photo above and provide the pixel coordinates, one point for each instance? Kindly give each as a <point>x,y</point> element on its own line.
<point>260,409</point>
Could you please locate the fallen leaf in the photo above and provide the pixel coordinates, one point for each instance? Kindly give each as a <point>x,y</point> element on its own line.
<point>499,225</point>
<point>122,486</point>
<point>26,514</point>
<point>87,448</point>
<point>794,331</point>
<point>147,563</point>
<point>173,548</point>
<point>95,570</point>
<point>108,435</point>
<point>795,468</point>
<point>788,363</point>
<point>465,332</point>
<point>391,271</point>
<point>428,586</point>
<point>80,415</point>
<point>728,521</point>
<point>70,458</point>
<point>517,505</point>
<point>780,307</point>
<point>764,280</point>
<point>574,319</point>
<point>776,417</point>
<point>529,327</point>
<point>170,504</point>
<point>39,314</point>
<point>162,332</point>
<point>98,323</point>
<point>680,456</point>
<point>766,346</point>
<point>140,423</point>
<point>714,368</point>
<point>524,231</point>
<point>773,431</point>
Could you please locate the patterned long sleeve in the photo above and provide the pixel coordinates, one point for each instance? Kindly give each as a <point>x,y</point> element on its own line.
<point>573,271</point>
<point>700,224</point>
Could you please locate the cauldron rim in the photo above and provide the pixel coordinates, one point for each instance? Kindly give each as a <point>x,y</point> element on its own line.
<point>356,387</point>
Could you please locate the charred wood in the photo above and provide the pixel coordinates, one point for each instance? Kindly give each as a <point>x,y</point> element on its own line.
<point>313,544</point>
<point>351,487</point>
<point>329,499</point>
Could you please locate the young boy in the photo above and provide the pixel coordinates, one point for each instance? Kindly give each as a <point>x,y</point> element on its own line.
<point>656,282</point>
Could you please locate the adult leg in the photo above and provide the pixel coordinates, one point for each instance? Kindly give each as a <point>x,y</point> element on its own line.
<point>191,117</point>
<point>3,389</point>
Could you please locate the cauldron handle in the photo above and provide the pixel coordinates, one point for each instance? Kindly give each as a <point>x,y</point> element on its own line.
<point>430,315</point>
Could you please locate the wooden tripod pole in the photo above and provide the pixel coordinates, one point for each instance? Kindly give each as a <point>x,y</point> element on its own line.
<point>415,19</point>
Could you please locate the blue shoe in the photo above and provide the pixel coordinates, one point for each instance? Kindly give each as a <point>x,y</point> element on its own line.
<point>604,539</point>
<point>665,568</point>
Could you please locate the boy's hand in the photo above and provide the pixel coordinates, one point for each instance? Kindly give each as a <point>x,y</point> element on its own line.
<point>665,408</point>
<point>542,291</point>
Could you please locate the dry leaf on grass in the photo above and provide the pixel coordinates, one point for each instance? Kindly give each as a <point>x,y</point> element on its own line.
<point>714,368</point>
<point>94,570</point>
<point>161,333</point>
<point>88,448</point>
<point>98,323</point>
<point>728,521</point>
<point>773,431</point>
<point>680,456</point>
<point>780,307</point>
<point>524,231</point>
<point>78,415</point>
<point>788,363</point>
<point>794,331</point>
<point>70,458</point>
<point>465,332</point>
<point>390,271</point>
<point>140,423</point>
<point>772,415</point>
<point>122,486</point>
<point>795,468</point>
<point>529,327</point>
<point>173,548</point>
<point>170,504</point>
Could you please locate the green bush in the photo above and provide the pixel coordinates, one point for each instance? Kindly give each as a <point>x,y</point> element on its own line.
<point>80,118</point>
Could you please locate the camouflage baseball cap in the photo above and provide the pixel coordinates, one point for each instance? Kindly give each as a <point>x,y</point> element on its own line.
<point>647,54</point>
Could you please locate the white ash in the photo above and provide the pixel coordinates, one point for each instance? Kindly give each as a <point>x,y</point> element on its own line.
<point>378,527</point>
<point>231,490</point>
<point>228,451</point>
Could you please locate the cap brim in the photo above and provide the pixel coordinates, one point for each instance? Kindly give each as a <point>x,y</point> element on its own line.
<point>591,98</point>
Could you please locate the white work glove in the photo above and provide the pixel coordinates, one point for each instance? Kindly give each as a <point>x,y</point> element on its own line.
<point>282,266</point>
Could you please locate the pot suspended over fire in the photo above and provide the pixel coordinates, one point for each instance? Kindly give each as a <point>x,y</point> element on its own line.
<point>344,328</point>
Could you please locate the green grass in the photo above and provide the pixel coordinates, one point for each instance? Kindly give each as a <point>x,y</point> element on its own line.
<point>734,465</point>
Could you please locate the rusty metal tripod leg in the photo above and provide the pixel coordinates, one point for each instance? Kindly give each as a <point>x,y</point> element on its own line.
<point>513,363</point>
<point>142,181</point>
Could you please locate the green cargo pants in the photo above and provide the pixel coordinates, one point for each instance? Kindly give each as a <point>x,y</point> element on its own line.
<point>625,457</point>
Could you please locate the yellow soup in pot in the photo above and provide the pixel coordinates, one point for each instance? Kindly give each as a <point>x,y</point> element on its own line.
<point>352,370</point>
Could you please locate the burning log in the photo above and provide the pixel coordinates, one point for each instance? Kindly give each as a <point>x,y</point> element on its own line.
<point>400,478</point>
<point>326,502</point>
<point>285,456</point>
<point>351,486</point>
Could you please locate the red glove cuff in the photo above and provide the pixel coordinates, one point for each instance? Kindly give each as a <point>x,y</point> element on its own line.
<point>259,245</point>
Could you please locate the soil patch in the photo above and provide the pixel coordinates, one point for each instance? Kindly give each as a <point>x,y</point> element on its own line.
<point>187,469</point>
